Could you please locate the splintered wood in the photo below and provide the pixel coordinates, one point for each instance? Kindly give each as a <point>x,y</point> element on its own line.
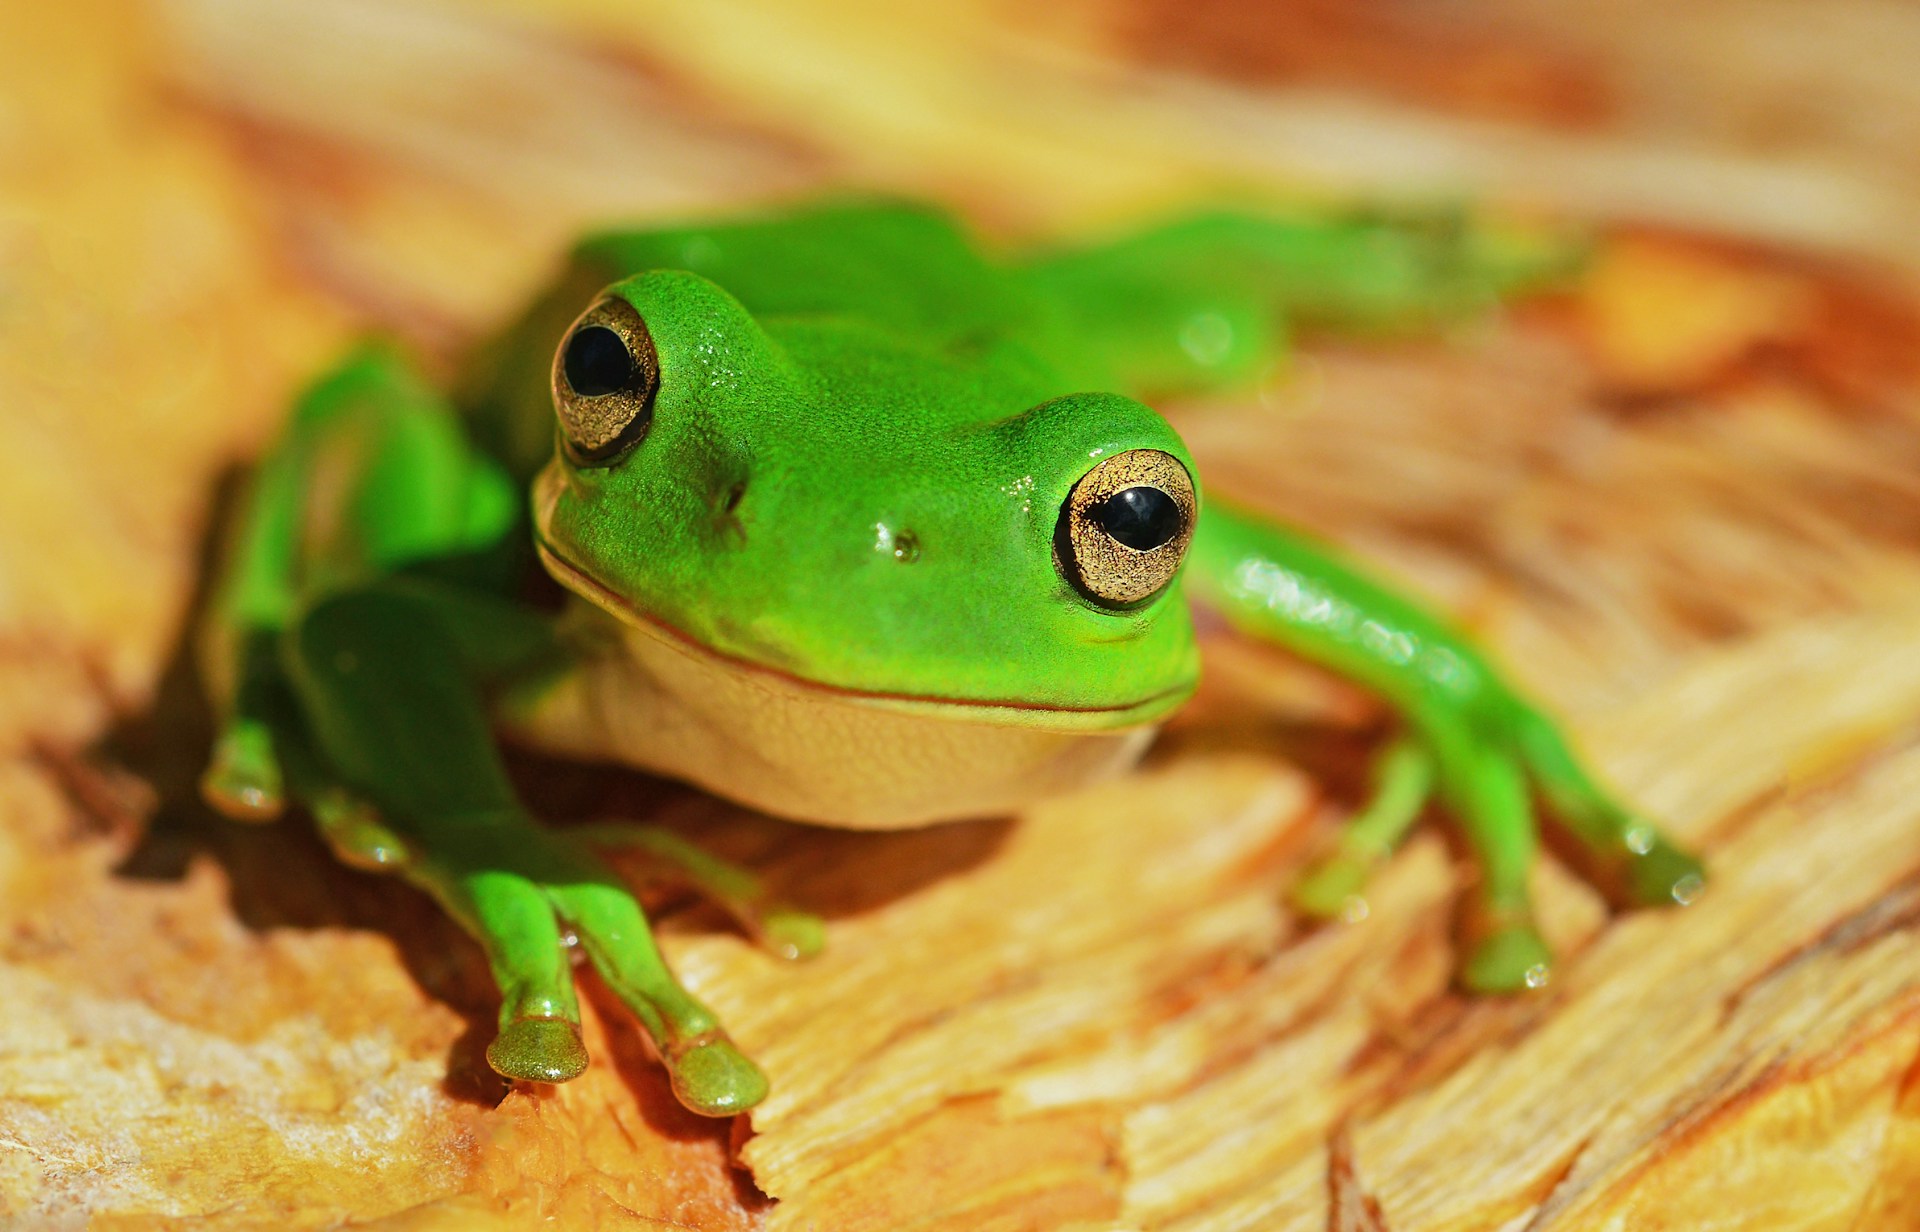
<point>1681,501</point>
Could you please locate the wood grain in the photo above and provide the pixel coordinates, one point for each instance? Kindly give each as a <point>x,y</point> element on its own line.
<point>1680,501</point>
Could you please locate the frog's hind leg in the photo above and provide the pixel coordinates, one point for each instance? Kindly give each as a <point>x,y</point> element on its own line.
<point>258,589</point>
<point>1205,301</point>
<point>1634,861</point>
<point>244,779</point>
<point>370,472</point>
<point>1403,776</point>
<point>396,713</point>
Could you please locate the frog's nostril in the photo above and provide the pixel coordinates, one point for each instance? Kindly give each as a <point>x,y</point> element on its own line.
<point>1141,517</point>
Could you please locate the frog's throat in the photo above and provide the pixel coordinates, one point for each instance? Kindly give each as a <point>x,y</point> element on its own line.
<point>1015,713</point>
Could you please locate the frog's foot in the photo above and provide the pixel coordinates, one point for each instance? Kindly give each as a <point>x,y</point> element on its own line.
<point>1632,862</point>
<point>243,779</point>
<point>538,1049</point>
<point>1647,870</point>
<point>713,1077</point>
<point>709,1074</point>
<point>354,830</point>
<point>777,928</point>
<point>512,884</point>
<point>1505,953</point>
<point>1334,886</point>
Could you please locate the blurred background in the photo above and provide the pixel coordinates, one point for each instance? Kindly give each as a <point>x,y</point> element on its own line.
<point>509,125</point>
<point>1681,498</point>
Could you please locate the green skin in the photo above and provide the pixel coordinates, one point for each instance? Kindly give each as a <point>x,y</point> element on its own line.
<point>823,373</point>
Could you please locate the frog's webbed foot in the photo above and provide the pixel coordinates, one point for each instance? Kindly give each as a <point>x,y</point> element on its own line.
<point>1647,870</point>
<point>1504,953</point>
<point>1486,766</point>
<point>515,886</point>
<point>1630,860</point>
<point>355,831</point>
<point>243,779</point>
<point>779,929</point>
<point>539,1049</point>
<point>255,770</point>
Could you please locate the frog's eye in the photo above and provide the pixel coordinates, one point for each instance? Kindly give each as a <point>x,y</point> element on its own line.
<point>604,377</point>
<point>1125,527</point>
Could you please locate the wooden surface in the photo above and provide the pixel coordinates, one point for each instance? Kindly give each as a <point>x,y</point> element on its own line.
<point>1683,503</point>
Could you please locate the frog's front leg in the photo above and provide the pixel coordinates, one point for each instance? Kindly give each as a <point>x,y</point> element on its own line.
<point>1484,747</point>
<point>1633,862</point>
<point>396,715</point>
<point>1481,780</point>
<point>1402,785</point>
<point>1484,786</point>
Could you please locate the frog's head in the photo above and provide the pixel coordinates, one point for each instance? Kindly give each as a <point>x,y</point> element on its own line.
<point>820,499</point>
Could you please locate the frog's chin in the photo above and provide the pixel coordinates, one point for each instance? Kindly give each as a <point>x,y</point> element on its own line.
<point>647,695</point>
<point>1014,712</point>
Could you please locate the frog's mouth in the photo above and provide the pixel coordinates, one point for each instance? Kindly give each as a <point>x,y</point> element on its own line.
<point>1018,712</point>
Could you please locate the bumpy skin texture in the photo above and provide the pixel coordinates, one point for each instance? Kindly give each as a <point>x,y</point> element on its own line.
<point>860,432</point>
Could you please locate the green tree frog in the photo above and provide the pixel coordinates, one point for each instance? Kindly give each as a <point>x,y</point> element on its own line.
<point>862,525</point>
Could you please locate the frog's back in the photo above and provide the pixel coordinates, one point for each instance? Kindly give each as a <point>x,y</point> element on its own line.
<point>905,268</point>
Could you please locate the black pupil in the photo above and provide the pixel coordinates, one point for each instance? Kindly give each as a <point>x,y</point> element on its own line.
<point>597,362</point>
<point>1143,518</point>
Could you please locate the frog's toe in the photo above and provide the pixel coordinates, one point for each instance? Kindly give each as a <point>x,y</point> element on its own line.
<point>355,831</point>
<point>1655,873</point>
<point>1510,958</point>
<point>714,1078</point>
<point>538,1050</point>
<point>243,779</point>
<point>1332,889</point>
<point>793,935</point>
